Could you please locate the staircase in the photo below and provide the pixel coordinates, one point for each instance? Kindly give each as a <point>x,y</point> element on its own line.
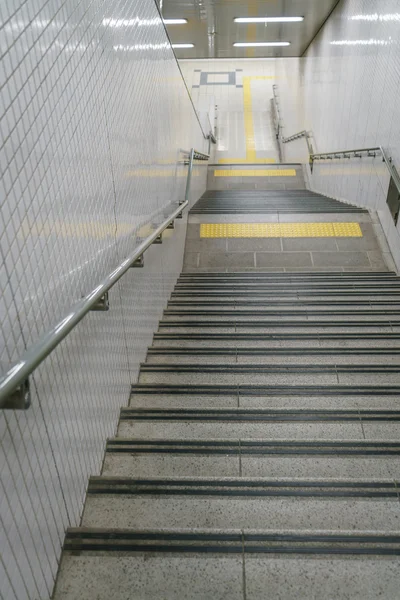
<point>231,202</point>
<point>258,458</point>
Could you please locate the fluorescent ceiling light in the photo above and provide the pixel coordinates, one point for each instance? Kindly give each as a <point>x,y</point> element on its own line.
<point>259,44</point>
<point>268,19</point>
<point>183,45</point>
<point>370,42</point>
<point>175,21</point>
<point>376,17</point>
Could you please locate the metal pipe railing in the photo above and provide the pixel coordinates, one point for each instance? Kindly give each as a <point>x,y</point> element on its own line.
<point>296,136</point>
<point>277,116</point>
<point>372,152</point>
<point>14,385</point>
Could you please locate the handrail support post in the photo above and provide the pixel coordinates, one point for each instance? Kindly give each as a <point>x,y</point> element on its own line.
<point>102,304</point>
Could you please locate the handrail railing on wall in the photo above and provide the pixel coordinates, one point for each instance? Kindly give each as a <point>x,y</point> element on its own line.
<point>279,127</point>
<point>14,385</point>
<point>297,136</point>
<point>360,153</point>
<point>277,115</point>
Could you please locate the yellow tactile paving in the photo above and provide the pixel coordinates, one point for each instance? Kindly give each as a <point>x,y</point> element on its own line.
<point>243,161</point>
<point>249,137</point>
<point>255,173</point>
<point>273,230</point>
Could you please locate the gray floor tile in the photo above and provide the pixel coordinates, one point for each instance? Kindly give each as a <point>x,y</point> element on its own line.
<point>309,244</point>
<point>284,578</point>
<point>254,244</point>
<point>226,259</point>
<point>191,260</point>
<point>283,259</point>
<point>367,242</point>
<point>205,245</point>
<point>193,230</point>
<point>376,259</point>
<point>150,577</point>
<point>343,259</point>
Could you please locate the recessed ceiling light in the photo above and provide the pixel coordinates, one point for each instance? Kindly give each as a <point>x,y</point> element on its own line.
<point>258,44</point>
<point>268,19</point>
<point>175,21</point>
<point>183,45</point>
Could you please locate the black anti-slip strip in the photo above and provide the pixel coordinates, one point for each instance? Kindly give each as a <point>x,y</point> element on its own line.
<point>258,285</point>
<point>269,337</point>
<point>255,448</point>
<point>224,312</point>
<point>267,293</point>
<point>285,324</point>
<point>243,488</point>
<point>264,415</point>
<point>84,539</point>
<point>257,351</point>
<point>284,303</point>
<point>266,369</point>
<point>266,390</point>
<point>294,275</point>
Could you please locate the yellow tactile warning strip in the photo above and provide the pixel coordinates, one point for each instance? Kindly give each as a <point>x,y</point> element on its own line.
<point>274,230</point>
<point>249,137</point>
<point>255,173</point>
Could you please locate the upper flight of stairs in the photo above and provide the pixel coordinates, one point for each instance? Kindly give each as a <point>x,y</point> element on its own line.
<point>259,456</point>
<point>230,202</point>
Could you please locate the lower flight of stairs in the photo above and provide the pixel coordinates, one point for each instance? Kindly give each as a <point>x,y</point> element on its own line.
<point>259,455</point>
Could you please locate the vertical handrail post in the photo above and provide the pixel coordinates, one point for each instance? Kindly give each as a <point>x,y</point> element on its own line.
<point>189,176</point>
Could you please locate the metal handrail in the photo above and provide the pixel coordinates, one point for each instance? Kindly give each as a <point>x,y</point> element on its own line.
<point>297,136</point>
<point>278,125</point>
<point>360,153</point>
<point>14,385</point>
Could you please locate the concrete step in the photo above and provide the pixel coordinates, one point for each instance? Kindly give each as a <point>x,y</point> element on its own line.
<point>277,340</point>
<point>241,503</point>
<point>223,401</point>
<point>267,314</point>
<point>231,430</point>
<point>280,326</point>
<point>311,276</point>
<point>272,458</point>
<point>250,285</point>
<point>286,306</point>
<point>290,296</point>
<point>263,374</point>
<point>271,356</point>
<point>221,564</point>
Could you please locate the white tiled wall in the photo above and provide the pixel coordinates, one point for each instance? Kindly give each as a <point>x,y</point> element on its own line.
<point>93,117</point>
<point>346,91</point>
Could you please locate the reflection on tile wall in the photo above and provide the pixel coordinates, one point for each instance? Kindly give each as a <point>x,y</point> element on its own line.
<point>93,119</point>
<point>346,92</point>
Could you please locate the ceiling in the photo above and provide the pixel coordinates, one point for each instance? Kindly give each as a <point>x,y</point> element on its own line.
<point>213,32</point>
